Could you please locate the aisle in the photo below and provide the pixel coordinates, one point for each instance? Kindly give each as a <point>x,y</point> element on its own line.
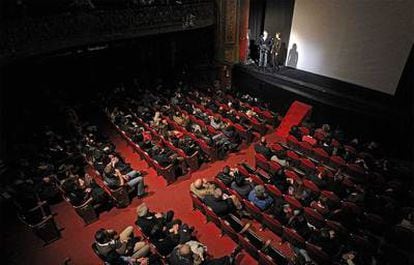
<point>297,112</point>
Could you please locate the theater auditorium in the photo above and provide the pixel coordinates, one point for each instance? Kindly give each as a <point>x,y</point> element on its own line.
<point>206,132</point>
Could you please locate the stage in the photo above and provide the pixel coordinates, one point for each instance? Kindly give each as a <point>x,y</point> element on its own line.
<point>324,90</point>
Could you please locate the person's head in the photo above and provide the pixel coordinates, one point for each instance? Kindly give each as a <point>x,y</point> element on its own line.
<point>226,170</point>
<point>184,250</point>
<point>108,169</point>
<point>263,140</point>
<point>324,233</point>
<point>259,191</point>
<point>101,236</point>
<point>218,193</point>
<point>198,183</point>
<point>326,127</point>
<point>142,210</point>
<point>281,154</point>
<point>265,34</point>
<point>176,223</point>
<point>278,35</point>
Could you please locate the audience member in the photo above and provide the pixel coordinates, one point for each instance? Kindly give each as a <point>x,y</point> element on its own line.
<point>242,185</point>
<point>260,198</point>
<point>202,188</point>
<point>110,245</point>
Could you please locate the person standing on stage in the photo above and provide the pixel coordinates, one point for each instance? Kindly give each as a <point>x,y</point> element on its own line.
<point>277,42</point>
<point>265,43</point>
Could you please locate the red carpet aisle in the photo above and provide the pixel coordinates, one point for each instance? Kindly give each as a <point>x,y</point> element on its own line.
<point>297,112</point>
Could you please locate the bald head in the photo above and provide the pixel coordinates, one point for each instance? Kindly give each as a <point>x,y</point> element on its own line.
<point>198,183</point>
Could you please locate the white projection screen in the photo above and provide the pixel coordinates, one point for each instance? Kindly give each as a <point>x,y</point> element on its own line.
<point>364,42</point>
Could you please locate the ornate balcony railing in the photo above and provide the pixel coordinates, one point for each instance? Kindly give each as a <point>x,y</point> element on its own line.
<point>39,35</point>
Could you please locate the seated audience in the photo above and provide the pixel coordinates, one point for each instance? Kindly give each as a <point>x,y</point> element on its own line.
<point>152,224</point>
<point>112,246</point>
<point>79,190</point>
<point>193,253</point>
<point>115,179</point>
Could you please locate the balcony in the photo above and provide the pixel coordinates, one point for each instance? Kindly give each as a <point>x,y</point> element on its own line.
<point>37,35</point>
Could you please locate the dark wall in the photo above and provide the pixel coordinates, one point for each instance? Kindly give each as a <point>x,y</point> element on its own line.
<point>278,17</point>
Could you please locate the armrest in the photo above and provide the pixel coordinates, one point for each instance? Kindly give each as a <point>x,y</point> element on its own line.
<point>39,205</point>
<point>84,204</point>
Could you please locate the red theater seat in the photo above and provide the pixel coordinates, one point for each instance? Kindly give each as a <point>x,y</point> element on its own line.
<point>275,192</point>
<point>313,217</point>
<point>306,148</point>
<point>337,161</point>
<point>317,254</point>
<point>292,175</point>
<point>307,165</point>
<point>248,246</point>
<point>251,208</point>
<point>311,186</point>
<point>226,229</point>
<point>261,162</point>
<point>274,167</point>
<point>321,155</point>
<point>265,259</point>
<point>273,224</point>
<point>293,237</point>
<point>294,203</point>
<point>292,142</point>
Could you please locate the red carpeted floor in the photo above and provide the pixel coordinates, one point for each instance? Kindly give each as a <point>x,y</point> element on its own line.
<point>77,239</point>
<point>294,116</point>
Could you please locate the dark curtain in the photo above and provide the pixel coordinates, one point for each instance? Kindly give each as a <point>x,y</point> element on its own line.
<point>256,25</point>
<point>278,18</point>
<point>256,18</point>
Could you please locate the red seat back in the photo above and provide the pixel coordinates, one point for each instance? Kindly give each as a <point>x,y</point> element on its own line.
<point>251,208</point>
<point>313,217</point>
<point>317,254</point>
<point>292,201</point>
<point>275,192</point>
<point>293,237</point>
<point>265,259</point>
<point>261,161</point>
<point>310,185</point>
<point>337,161</point>
<point>247,245</point>
<point>273,224</point>
<point>291,174</point>
<point>227,229</point>
<point>274,167</point>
